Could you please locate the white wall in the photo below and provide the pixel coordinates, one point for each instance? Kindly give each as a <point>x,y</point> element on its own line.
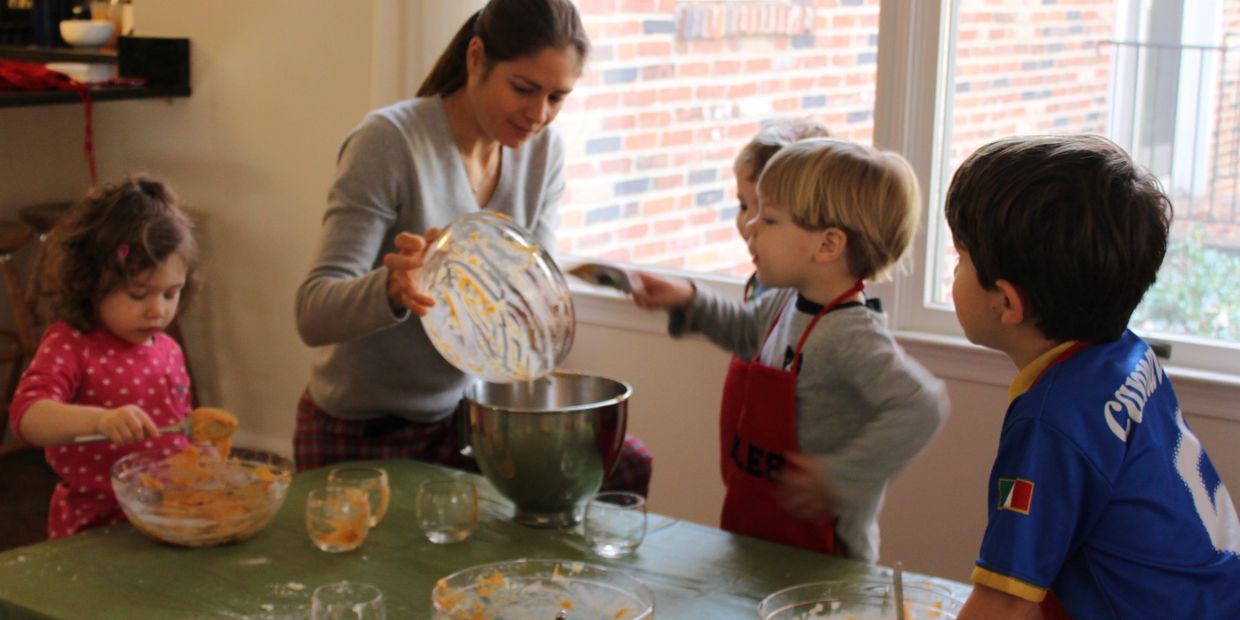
<point>277,84</point>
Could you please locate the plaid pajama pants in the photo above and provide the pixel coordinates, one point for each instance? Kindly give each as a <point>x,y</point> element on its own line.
<point>322,440</point>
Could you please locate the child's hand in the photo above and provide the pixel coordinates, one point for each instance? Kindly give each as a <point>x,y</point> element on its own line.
<point>658,293</point>
<point>804,491</point>
<point>126,424</point>
<point>403,269</point>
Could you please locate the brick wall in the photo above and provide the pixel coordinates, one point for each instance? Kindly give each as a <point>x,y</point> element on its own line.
<point>675,88</point>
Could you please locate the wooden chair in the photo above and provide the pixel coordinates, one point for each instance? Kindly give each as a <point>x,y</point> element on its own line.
<point>18,344</point>
<point>40,218</point>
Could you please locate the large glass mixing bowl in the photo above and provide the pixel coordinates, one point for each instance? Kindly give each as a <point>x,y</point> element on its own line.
<point>859,599</point>
<point>503,311</point>
<point>541,590</point>
<point>201,501</point>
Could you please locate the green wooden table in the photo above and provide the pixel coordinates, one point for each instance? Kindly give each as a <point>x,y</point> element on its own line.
<point>115,572</point>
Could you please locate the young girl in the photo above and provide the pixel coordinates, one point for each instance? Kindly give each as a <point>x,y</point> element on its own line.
<point>823,407</point>
<point>118,267</point>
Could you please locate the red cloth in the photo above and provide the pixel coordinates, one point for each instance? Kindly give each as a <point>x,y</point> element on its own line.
<point>16,75</point>
<point>758,426</point>
<point>1052,609</point>
<point>100,369</point>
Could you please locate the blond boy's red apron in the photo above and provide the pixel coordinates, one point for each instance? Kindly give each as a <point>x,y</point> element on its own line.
<point>758,426</point>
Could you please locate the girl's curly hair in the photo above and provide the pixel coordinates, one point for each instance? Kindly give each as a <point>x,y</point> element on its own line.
<point>113,235</point>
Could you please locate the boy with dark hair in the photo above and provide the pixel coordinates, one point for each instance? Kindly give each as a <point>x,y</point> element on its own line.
<point>1102,502</point>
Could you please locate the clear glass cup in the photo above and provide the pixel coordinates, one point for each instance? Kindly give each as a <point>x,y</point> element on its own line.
<point>615,523</point>
<point>373,479</point>
<point>347,600</point>
<point>338,518</point>
<point>447,509</point>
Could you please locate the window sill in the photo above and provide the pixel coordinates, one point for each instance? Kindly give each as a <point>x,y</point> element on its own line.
<point>1208,394</point>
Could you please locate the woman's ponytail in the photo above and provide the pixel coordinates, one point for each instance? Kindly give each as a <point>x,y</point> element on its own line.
<point>509,29</point>
<point>449,73</point>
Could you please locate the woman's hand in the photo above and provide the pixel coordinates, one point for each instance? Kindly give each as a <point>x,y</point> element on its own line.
<point>657,293</point>
<point>403,266</point>
<point>126,424</point>
<point>803,490</point>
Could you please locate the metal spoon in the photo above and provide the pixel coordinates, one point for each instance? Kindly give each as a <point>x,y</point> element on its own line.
<point>897,580</point>
<point>182,428</point>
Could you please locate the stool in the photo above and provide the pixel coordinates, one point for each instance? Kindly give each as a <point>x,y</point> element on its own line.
<point>42,218</point>
<point>16,345</point>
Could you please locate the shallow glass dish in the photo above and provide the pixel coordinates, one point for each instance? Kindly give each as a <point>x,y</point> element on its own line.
<point>540,590</point>
<point>195,499</point>
<point>503,311</point>
<point>859,599</point>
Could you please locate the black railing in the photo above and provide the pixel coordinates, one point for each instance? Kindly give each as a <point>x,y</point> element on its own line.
<point>1176,109</point>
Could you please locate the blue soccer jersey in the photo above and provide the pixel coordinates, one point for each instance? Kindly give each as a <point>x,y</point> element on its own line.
<point>1101,494</point>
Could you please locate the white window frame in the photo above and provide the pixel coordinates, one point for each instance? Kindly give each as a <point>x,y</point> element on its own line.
<point>912,69</point>
<point>910,98</point>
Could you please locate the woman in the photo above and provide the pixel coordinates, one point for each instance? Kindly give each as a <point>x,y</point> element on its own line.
<point>478,136</point>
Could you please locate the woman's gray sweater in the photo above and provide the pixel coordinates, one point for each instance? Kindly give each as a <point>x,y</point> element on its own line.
<point>399,170</point>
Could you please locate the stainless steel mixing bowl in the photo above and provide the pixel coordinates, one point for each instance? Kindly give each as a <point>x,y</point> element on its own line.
<point>547,444</point>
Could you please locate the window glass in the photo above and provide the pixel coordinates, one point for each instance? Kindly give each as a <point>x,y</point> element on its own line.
<point>1160,79</point>
<point>673,90</point>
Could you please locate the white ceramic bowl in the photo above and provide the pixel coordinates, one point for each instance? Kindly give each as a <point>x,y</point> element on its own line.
<point>85,33</point>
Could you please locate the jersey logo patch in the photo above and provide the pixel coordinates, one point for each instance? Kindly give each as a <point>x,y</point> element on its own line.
<point>1015,494</point>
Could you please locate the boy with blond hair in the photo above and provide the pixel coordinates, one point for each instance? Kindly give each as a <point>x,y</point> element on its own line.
<point>822,407</point>
<point>1102,502</point>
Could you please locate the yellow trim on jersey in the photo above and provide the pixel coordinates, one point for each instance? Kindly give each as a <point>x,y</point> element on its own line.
<point>1027,375</point>
<point>1008,585</point>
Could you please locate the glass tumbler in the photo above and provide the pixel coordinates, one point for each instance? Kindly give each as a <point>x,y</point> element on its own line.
<point>615,523</point>
<point>338,518</point>
<point>347,600</point>
<point>447,509</point>
<point>373,479</point>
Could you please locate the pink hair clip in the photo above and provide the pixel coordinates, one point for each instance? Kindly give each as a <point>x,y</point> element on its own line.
<point>122,252</point>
